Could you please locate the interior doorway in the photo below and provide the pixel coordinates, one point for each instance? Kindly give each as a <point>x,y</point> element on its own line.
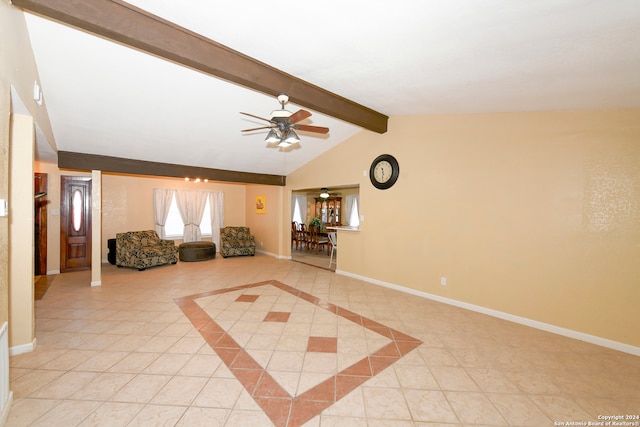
<point>40,223</point>
<point>75,223</point>
<point>305,206</point>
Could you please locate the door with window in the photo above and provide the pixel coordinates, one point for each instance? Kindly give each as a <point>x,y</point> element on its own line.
<point>75,223</point>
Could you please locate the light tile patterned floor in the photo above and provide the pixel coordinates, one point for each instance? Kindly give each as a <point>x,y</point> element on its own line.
<point>321,259</point>
<point>317,352</point>
<point>258,341</point>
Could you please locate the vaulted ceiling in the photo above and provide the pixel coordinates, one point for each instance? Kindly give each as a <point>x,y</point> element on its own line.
<point>351,64</point>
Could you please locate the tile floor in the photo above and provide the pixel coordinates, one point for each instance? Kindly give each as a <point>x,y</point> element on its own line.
<point>321,260</point>
<point>256,341</point>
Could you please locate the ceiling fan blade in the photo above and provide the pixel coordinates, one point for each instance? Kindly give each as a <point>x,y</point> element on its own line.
<point>252,129</point>
<point>316,129</point>
<point>256,117</point>
<point>299,115</point>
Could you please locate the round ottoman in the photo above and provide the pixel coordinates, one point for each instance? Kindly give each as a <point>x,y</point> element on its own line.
<point>197,251</point>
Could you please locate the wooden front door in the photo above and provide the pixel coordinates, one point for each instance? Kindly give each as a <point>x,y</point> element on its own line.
<point>75,223</point>
<point>40,224</point>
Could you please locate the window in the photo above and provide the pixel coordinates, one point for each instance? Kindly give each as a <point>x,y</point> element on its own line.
<point>205,224</point>
<point>174,227</point>
<point>299,209</point>
<point>76,210</point>
<point>354,217</point>
<point>297,215</point>
<point>352,211</point>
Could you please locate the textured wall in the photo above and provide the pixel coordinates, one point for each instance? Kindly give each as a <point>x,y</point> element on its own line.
<point>531,214</point>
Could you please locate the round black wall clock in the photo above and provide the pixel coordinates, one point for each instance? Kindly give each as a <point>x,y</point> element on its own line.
<point>384,171</point>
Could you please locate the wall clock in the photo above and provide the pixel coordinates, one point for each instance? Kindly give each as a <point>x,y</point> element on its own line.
<point>384,171</point>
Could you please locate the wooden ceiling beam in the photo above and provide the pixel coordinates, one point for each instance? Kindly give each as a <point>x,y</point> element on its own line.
<point>126,24</point>
<point>85,162</point>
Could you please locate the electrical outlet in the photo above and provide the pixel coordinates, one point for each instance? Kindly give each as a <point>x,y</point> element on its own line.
<point>443,281</point>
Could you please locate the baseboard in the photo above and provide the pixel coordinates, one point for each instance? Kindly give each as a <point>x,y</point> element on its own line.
<point>260,251</point>
<point>97,283</point>
<point>51,272</point>
<point>569,333</point>
<point>272,254</point>
<point>24,348</point>
<point>4,414</point>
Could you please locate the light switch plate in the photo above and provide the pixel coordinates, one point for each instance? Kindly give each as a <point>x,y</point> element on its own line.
<point>4,209</point>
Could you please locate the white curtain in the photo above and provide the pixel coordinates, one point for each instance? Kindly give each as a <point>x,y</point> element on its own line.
<point>216,210</point>
<point>191,206</point>
<point>298,206</point>
<point>352,211</point>
<point>161,204</point>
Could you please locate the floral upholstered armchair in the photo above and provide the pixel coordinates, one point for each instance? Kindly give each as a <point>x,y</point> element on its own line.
<point>237,241</point>
<point>142,249</point>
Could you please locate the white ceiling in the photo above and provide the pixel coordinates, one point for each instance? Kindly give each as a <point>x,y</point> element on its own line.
<point>398,58</point>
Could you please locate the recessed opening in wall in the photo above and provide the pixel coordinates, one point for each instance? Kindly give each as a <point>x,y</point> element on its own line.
<point>308,207</point>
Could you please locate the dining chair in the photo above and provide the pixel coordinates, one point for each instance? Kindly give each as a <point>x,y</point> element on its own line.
<point>317,240</point>
<point>294,234</point>
<point>333,240</point>
<point>303,235</point>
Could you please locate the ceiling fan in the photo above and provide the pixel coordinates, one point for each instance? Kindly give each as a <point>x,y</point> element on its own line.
<point>283,124</point>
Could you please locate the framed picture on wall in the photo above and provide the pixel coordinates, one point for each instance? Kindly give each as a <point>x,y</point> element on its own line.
<point>261,205</point>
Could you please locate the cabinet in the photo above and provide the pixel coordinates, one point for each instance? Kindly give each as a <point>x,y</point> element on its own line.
<point>329,210</point>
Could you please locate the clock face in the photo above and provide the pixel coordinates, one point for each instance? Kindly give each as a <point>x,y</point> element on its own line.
<point>384,171</point>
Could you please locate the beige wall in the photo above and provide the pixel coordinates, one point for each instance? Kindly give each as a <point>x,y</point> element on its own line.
<point>531,214</point>
<point>4,194</point>
<point>21,232</point>
<point>127,204</point>
<point>264,226</point>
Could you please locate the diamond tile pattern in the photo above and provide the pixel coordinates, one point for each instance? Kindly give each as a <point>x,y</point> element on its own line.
<point>247,298</point>
<point>277,316</point>
<point>322,345</point>
<point>364,347</point>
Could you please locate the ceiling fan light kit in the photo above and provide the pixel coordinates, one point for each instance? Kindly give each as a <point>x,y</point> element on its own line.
<point>324,193</point>
<point>282,125</point>
<point>291,137</point>
<point>272,137</point>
